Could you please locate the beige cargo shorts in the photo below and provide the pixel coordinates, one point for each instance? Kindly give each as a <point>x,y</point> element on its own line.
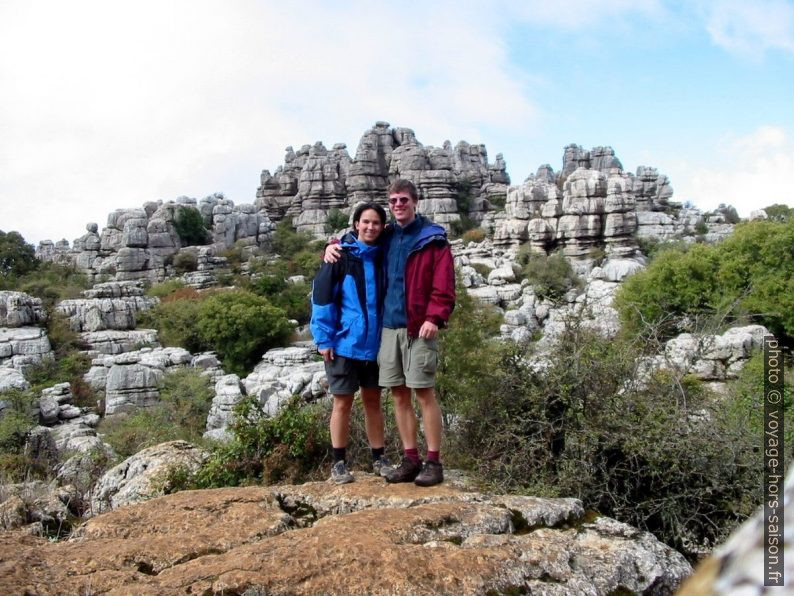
<point>406,360</point>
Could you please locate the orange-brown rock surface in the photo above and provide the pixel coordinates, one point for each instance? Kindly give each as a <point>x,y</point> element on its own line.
<point>367,537</point>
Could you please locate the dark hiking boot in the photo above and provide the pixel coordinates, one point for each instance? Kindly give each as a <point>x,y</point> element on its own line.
<point>405,472</point>
<point>381,466</point>
<point>432,473</point>
<point>340,474</point>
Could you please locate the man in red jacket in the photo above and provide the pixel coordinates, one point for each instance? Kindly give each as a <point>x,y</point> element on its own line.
<point>420,296</point>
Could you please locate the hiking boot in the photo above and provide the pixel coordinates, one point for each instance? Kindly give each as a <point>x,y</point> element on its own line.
<point>405,472</point>
<point>340,474</point>
<point>432,473</point>
<point>381,466</point>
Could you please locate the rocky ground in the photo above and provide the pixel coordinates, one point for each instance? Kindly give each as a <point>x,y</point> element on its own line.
<point>367,537</point>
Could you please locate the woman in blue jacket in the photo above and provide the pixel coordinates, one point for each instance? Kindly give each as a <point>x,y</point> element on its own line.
<point>347,299</point>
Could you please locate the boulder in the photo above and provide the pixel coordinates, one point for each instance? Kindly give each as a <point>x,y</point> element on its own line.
<point>144,475</point>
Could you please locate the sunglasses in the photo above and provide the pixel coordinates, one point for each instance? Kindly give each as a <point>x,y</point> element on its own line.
<point>400,200</point>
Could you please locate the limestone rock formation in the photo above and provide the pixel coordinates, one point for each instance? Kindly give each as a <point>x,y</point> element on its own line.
<point>141,243</point>
<point>373,538</point>
<point>22,347</point>
<point>314,180</point>
<point>708,357</point>
<point>143,475</point>
<point>18,309</point>
<point>113,305</point>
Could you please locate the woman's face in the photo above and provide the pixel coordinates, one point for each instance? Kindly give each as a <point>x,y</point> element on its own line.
<point>369,226</point>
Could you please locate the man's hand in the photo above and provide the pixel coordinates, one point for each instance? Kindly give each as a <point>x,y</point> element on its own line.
<point>332,252</point>
<point>428,330</point>
<point>327,353</point>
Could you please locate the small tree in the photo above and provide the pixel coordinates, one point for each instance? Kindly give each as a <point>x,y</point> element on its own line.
<point>189,224</point>
<point>17,257</point>
<point>241,326</point>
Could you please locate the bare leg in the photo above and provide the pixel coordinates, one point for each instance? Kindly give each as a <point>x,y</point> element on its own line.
<point>340,420</point>
<point>431,417</point>
<point>373,416</point>
<point>405,416</point>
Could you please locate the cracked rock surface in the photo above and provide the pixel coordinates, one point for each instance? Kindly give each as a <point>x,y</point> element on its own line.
<point>367,537</point>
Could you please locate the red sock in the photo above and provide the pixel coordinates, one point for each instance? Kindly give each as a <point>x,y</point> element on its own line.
<point>412,454</point>
<point>433,456</point>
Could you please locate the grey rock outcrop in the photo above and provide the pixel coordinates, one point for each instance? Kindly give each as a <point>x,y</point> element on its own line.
<point>708,357</point>
<point>314,180</point>
<point>284,372</point>
<point>131,380</point>
<point>141,243</point>
<point>112,305</point>
<point>18,309</point>
<point>143,476</point>
<point>22,347</point>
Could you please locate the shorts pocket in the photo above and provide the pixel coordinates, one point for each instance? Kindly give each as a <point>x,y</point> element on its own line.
<point>428,359</point>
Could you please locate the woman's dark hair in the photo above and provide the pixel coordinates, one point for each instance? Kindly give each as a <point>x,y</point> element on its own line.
<point>375,207</point>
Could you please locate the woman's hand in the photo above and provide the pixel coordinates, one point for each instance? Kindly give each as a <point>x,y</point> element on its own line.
<point>327,353</point>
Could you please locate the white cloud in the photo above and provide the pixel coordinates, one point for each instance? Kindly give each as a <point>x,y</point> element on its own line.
<point>751,28</point>
<point>108,105</point>
<point>754,171</point>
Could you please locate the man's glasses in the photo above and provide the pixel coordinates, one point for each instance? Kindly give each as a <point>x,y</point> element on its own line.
<point>400,200</point>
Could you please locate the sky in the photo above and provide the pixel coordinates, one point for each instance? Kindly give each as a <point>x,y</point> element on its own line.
<point>109,104</point>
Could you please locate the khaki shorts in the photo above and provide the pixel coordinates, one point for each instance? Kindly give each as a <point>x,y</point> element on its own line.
<point>407,361</point>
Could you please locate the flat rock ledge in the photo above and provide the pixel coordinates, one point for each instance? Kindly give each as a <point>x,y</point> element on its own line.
<point>362,538</point>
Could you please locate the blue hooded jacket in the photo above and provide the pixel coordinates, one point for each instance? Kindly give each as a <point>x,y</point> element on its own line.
<point>347,300</point>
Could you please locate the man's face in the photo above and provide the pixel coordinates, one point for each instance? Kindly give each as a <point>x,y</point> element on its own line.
<point>402,207</point>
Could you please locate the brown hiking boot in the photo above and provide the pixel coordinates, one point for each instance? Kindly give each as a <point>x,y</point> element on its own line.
<point>432,473</point>
<point>405,472</point>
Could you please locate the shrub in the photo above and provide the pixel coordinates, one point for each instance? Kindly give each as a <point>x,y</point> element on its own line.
<point>15,423</point>
<point>482,269</point>
<point>498,201</point>
<point>291,446</point>
<point>240,326</point>
<point>778,212</point>
<point>463,197</point>
<point>17,257</point>
<point>52,283</point>
<point>664,456</point>
<point>287,242</point>
<point>176,320</point>
<point>551,276</point>
<point>729,212</point>
<point>749,274</point>
<point>336,220</point>
<point>474,235</point>
<point>461,226</point>
<point>189,224</point>
<point>185,399</point>
<point>165,288</point>
<point>185,261</point>
<point>701,228</point>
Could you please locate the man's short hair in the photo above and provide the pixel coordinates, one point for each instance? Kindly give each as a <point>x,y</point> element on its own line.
<point>403,185</point>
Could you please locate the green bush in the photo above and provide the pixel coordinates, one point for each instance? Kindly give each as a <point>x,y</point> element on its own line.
<point>551,276</point>
<point>778,212</point>
<point>189,224</point>
<point>665,457</point>
<point>746,276</point>
<point>52,283</point>
<point>176,320</point>
<point>474,235</point>
<point>17,257</point>
<point>15,423</point>
<point>461,226</point>
<point>287,242</point>
<point>289,447</point>
<point>181,414</point>
<point>165,288</point>
<point>464,195</point>
<point>185,262</point>
<point>336,220</point>
<point>240,326</point>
